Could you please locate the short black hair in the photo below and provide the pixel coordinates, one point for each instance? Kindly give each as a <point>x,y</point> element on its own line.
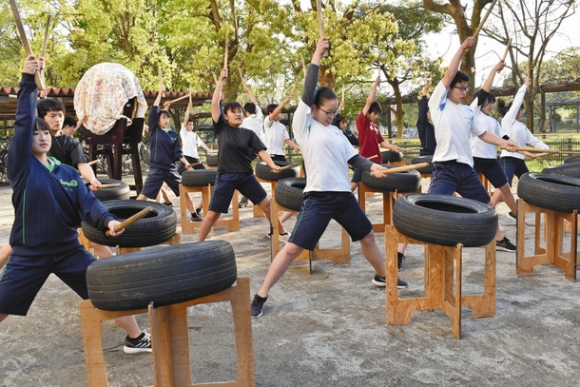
<point>459,77</point>
<point>249,107</point>
<point>270,108</point>
<point>163,111</point>
<point>323,94</point>
<point>375,108</point>
<point>338,119</point>
<point>69,121</point>
<point>46,105</point>
<point>41,125</point>
<point>233,105</point>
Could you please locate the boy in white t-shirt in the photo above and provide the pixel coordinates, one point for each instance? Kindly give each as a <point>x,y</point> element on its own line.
<point>455,124</point>
<point>276,133</point>
<point>190,140</point>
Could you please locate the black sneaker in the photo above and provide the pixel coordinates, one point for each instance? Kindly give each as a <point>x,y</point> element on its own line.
<point>511,215</point>
<point>400,257</point>
<point>243,202</point>
<point>505,245</point>
<point>196,217</point>
<point>381,282</point>
<point>271,232</point>
<point>138,345</point>
<point>258,305</point>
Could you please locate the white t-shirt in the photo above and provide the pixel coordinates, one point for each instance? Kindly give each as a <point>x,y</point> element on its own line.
<point>325,151</point>
<point>518,131</point>
<point>190,141</point>
<point>254,123</point>
<point>454,126</point>
<point>481,148</point>
<point>276,134</point>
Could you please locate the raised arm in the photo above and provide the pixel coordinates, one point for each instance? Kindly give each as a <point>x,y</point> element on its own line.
<point>186,118</point>
<point>455,61</point>
<point>489,81</point>
<point>312,74</point>
<point>511,115</point>
<point>371,97</point>
<point>216,108</point>
<point>280,107</point>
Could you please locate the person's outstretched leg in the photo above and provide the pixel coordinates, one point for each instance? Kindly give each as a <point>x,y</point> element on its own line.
<point>207,224</point>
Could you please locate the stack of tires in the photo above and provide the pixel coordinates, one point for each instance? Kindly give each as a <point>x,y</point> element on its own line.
<point>162,275</point>
<point>445,220</point>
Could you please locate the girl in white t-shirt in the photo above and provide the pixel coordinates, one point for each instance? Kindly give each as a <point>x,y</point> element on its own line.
<point>326,153</point>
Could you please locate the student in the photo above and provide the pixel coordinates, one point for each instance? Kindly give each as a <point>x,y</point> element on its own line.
<point>49,200</point>
<point>191,140</point>
<point>276,137</point>
<point>484,154</point>
<point>70,126</point>
<point>513,163</point>
<point>327,193</point>
<point>165,150</point>
<point>255,122</point>
<point>425,128</point>
<point>276,133</point>
<point>234,166</point>
<point>341,123</point>
<point>369,134</point>
<point>454,126</point>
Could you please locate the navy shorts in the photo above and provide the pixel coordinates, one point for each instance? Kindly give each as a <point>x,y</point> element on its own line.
<point>227,183</point>
<point>512,166</point>
<point>492,171</point>
<point>24,276</point>
<point>357,176</point>
<point>278,158</point>
<point>191,160</point>
<point>318,208</point>
<point>155,179</point>
<point>451,176</point>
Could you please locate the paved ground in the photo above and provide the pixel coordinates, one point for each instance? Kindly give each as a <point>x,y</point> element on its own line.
<point>327,328</point>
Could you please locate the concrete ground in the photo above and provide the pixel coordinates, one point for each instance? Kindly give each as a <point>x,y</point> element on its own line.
<point>327,328</point>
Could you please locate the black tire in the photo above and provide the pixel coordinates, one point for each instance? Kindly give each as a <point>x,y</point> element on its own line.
<point>571,169</point>
<point>263,171</point>
<point>424,159</point>
<point>163,275</point>
<point>550,191</point>
<point>572,159</point>
<point>390,156</point>
<point>407,181</point>
<point>445,220</point>
<point>289,193</point>
<point>157,227</point>
<point>211,161</point>
<point>198,177</point>
<point>122,192</point>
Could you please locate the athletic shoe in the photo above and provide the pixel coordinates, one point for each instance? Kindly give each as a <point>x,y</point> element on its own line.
<point>512,215</point>
<point>243,202</point>
<point>196,217</point>
<point>381,282</point>
<point>168,204</point>
<point>505,245</point>
<point>400,257</point>
<point>138,345</point>
<point>258,305</point>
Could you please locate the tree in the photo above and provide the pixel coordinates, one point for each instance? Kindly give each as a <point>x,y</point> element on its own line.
<point>537,23</point>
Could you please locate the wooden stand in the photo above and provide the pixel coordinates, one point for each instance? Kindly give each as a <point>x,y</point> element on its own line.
<point>339,255</point>
<point>187,226</point>
<point>442,283</point>
<point>388,202</point>
<point>170,339</point>
<point>554,231</point>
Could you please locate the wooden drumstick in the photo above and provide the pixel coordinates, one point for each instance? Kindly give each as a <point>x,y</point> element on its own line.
<point>127,222</point>
<point>287,167</point>
<point>38,79</point>
<point>507,49</point>
<point>480,26</point>
<point>180,98</point>
<point>404,168</point>
<point>112,185</point>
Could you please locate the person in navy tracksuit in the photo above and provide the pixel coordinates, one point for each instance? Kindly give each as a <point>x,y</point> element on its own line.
<point>49,200</point>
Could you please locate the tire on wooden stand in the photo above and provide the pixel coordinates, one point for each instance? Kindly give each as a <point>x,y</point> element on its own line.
<point>424,159</point>
<point>198,177</point>
<point>157,227</point>
<point>289,193</point>
<point>264,172</point>
<point>445,220</point>
<point>163,275</point>
<point>550,191</point>
<point>407,181</point>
